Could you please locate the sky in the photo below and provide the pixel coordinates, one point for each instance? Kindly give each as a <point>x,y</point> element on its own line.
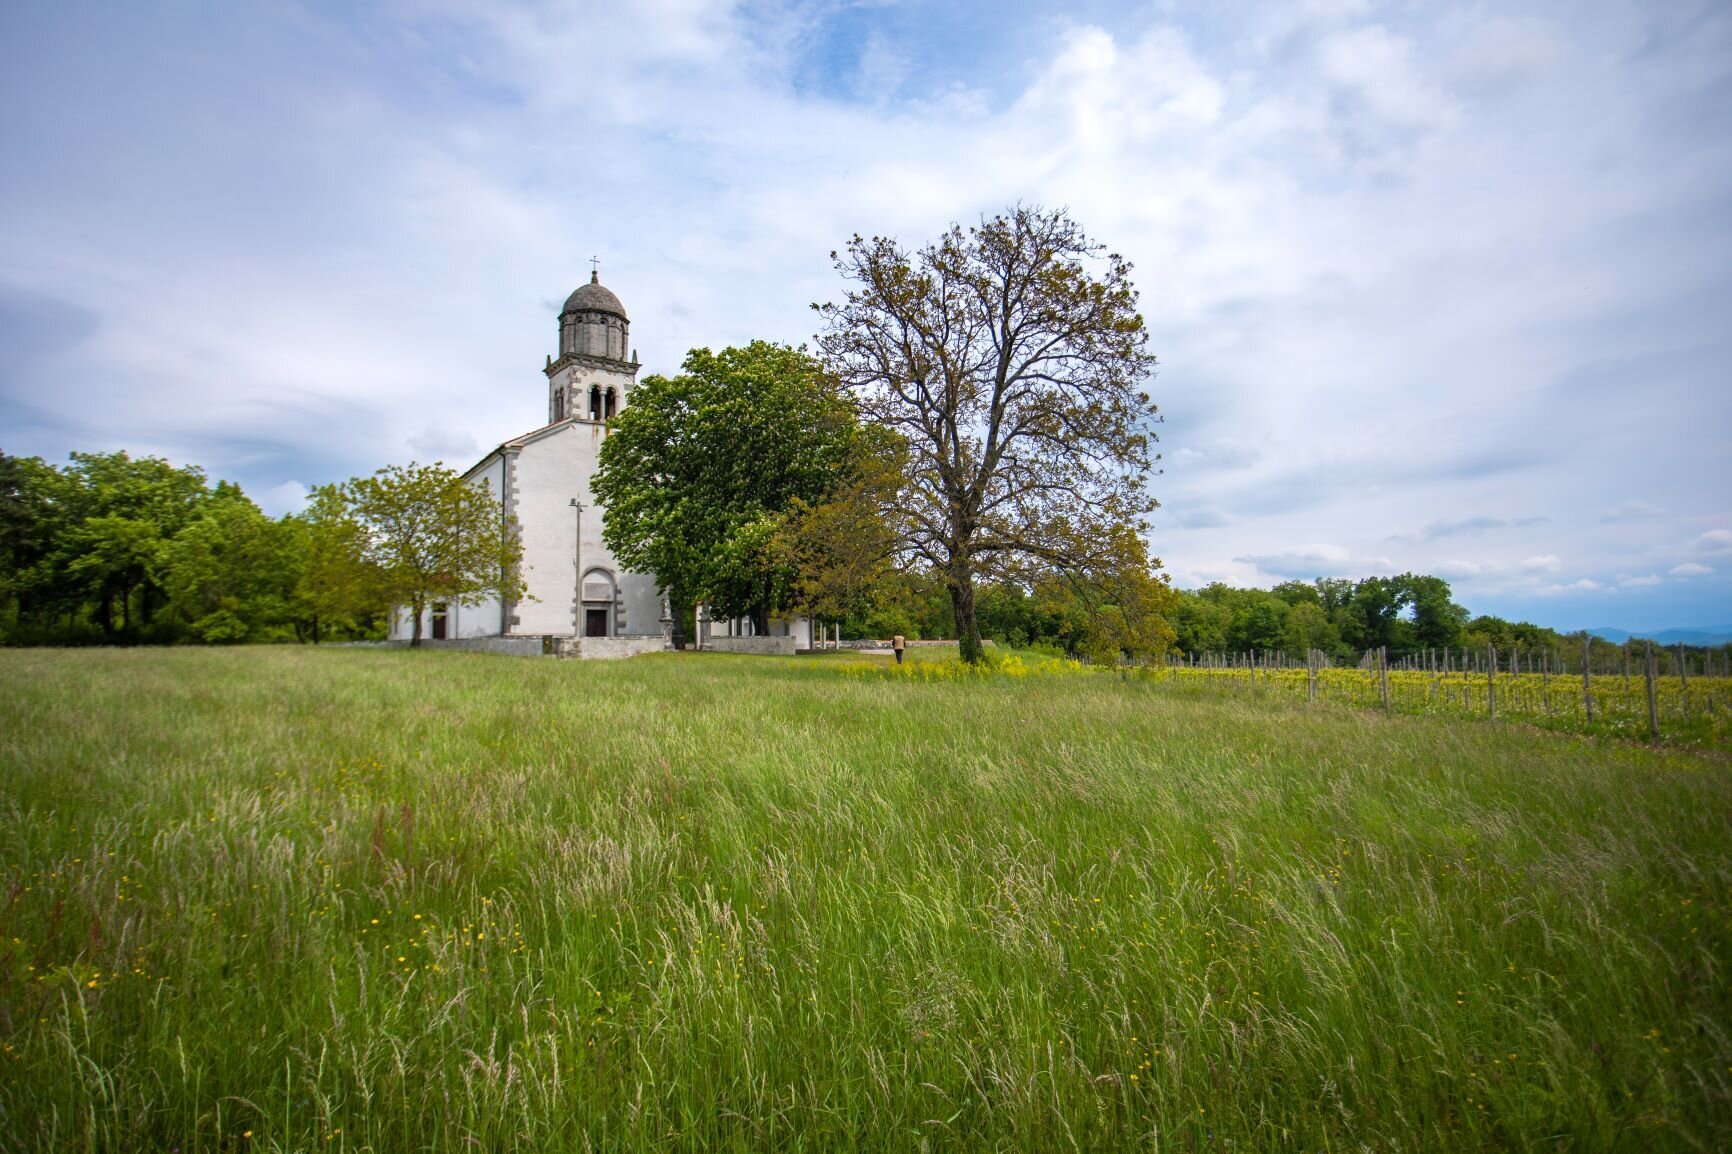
<point>1439,289</point>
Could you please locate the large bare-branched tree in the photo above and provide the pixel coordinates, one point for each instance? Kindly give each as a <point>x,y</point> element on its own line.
<point>1012,358</point>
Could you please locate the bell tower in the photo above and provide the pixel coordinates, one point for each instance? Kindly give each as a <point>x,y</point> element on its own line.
<point>591,377</point>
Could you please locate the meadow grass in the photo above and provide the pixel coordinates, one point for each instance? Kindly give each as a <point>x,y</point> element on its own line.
<point>297,899</point>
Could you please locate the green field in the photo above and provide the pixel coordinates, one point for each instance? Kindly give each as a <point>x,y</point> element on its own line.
<point>348,899</point>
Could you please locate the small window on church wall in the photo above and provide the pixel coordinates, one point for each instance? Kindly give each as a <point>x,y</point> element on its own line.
<point>595,402</point>
<point>559,404</point>
<point>608,406</point>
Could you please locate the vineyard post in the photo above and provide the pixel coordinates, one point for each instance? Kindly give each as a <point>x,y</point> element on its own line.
<point>1653,702</point>
<point>1587,681</point>
<point>1491,682</point>
<point>1626,666</point>
<point>1683,670</point>
<point>1546,679</point>
<point>1383,674</point>
<point>1311,676</point>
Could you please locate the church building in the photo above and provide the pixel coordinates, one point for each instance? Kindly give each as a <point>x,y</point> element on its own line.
<point>580,601</point>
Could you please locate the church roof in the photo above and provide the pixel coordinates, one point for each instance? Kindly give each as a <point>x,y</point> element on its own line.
<point>592,297</point>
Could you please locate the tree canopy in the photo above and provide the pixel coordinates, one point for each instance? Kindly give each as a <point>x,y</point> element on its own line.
<point>1010,357</point>
<point>122,550</point>
<point>1337,616</point>
<point>701,470</point>
<point>429,536</point>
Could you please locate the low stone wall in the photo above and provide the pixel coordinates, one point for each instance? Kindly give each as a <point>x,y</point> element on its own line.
<point>513,646</point>
<point>588,647</point>
<point>776,646</point>
<point>609,648</point>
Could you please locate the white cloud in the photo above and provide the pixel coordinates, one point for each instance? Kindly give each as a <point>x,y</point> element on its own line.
<point>1641,582</point>
<point>1319,560</point>
<point>1689,569</point>
<point>288,497</point>
<point>1582,585</point>
<point>1543,563</point>
<point>1458,568</point>
<point>1715,542</point>
<point>1379,69</point>
<point>1466,526</point>
<point>1219,454</point>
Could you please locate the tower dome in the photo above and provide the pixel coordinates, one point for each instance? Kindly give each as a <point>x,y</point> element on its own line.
<point>593,324</point>
<point>594,298</point>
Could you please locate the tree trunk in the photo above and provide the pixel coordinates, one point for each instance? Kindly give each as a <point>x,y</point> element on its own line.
<point>415,607</point>
<point>967,628</point>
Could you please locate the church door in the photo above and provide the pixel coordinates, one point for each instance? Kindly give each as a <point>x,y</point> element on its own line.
<point>439,619</point>
<point>595,623</point>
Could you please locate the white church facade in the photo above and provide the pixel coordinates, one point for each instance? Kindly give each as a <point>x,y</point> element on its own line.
<point>580,601</point>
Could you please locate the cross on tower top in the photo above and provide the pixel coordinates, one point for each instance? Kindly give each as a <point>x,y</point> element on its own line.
<point>594,269</point>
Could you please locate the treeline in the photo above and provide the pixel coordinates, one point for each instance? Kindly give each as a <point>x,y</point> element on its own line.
<point>111,549</point>
<point>120,550</point>
<point>1409,614</point>
<point>1405,614</point>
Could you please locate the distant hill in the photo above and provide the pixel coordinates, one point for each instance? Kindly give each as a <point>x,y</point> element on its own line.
<point>1706,635</point>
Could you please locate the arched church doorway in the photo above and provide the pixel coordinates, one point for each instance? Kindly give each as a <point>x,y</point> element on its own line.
<point>597,617</point>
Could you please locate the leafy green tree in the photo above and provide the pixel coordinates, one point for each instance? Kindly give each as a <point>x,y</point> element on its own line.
<point>1014,374</point>
<point>1308,627</point>
<point>1259,622</point>
<point>1129,608</point>
<point>1298,593</point>
<point>701,473</point>
<point>1373,615</point>
<point>28,522</point>
<point>1437,620</point>
<point>1487,630</point>
<point>115,514</point>
<point>230,573</point>
<point>338,589</point>
<point>1202,619</point>
<point>841,549</point>
<point>431,537</point>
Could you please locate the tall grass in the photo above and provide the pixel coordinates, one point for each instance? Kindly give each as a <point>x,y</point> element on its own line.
<point>340,900</point>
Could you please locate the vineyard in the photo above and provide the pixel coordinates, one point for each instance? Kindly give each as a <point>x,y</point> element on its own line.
<point>1692,710</point>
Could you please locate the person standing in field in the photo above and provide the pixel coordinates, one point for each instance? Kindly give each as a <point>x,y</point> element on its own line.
<point>896,643</point>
